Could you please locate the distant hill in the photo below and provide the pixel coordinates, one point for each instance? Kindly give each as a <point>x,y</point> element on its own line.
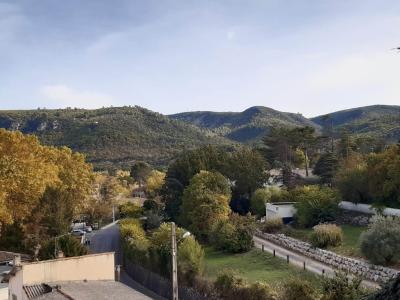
<point>378,121</point>
<point>111,135</point>
<point>247,126</point>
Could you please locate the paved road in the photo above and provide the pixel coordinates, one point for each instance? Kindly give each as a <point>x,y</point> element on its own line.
<point>298,260</point>
<point>107,239</point>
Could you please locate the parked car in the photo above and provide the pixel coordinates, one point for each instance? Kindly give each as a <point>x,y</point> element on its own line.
<point>78,232</point>
<point>88,229</point>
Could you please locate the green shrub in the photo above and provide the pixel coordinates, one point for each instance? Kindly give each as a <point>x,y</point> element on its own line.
<point>233,287</point>
<point>134,241</point>
<point>298,289</point>
<point>381,242</point>
<point>69,245</point>
<point>272,225</point>
<point>264,195</point>
<point>190,260</point>
<point>325,235</point>
<point>130,210</point>
<point>315,205</point>
<point>341,287</point>
<point>234,235</point>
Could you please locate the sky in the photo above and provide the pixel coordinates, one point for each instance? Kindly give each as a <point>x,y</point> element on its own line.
<point>303,56</point>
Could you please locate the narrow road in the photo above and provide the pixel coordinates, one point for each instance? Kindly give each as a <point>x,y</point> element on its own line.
<point>107,239</point>
<point>298,260</point>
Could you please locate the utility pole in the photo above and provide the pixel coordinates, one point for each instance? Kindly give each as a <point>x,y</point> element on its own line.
<point>174,264</point>
<point>113,213</point>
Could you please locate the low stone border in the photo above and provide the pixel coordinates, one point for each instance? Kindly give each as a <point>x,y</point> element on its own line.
<point>366,270</point>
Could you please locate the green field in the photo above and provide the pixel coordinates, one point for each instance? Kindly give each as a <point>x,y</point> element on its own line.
<point>351,237</point>
<point>254,265</point>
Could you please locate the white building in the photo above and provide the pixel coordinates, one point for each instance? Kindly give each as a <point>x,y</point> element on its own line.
<point>283,210</point>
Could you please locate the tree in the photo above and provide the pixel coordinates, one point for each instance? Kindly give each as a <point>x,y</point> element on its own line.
<point>247,171</point>
<point>352,179</point>
<point>381,242</point>
<point>140,171</point>
<point>205,201</point>
<point>383,171</point>
<point>154,182</point>
<point>342,287</point>
<point>278,146</point>
<point>181,171</point>
<point>69,245</point>
<point>234,235</point>
<point>25,172</point>
<point>304,138</point>
<point>190,260</point>
<point>326,167</point>
<point>315,205</point>
<point>262,196</point>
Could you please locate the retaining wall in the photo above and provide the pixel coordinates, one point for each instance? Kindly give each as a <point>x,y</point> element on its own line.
<point>368,271</point>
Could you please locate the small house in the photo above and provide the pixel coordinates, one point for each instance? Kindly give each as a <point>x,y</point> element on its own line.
<point>283,210</point>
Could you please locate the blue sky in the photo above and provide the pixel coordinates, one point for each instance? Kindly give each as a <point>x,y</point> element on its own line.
<point>311,57</point>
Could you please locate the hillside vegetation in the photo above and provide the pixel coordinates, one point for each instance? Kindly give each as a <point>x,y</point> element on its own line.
<point>111,135</point>
<point>378,121</point>
<point>248,126</point>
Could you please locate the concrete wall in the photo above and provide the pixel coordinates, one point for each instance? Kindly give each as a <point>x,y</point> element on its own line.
<point>278,210</point>
<point>87,267</point>
<point>367,209</point>
<point>3,291</point>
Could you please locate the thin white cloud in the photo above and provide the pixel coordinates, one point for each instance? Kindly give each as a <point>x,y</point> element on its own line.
<point>231,35</point>
<point>60,95</point>
<point>105,43</point>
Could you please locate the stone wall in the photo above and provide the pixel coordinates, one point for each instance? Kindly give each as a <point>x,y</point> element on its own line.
<point>366,270</point>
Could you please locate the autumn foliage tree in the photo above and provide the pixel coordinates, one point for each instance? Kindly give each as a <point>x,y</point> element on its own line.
<point>42,187</point>
<point>205,201</point>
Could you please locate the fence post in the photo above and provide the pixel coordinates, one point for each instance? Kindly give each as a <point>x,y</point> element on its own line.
<point>262,248</point>
<point>304,265</point>
<point>287,258</point>
<point>323,271</point>
<point>274,252</point>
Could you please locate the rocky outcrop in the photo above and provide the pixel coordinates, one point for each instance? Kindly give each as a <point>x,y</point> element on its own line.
<point>358,267</point>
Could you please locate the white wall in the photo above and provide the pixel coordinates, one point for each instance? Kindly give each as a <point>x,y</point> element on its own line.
<point>3,291</point>
<point>87,267</point>
<point>367,209</point>
<point>279,210</point>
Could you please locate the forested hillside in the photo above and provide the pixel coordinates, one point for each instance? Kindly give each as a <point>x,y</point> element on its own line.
<point>378,121</point>
<point>111,135</point>
<point>247,126</point>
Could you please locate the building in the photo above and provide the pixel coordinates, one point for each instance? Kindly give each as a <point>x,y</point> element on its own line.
<point>283,210</point>
<point>83,277</point>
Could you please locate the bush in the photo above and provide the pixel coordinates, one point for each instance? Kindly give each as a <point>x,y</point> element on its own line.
<point>381,242</point>
<point>233,287</point>
<point>298,289</point>
<point>315,205</point>
<point>272,225</point>
<point>325,235</point>
<point>135,243</point>
<point>341,287</point>
<point>264,195</point>
<point>68,244</point>
<point>234,235</point>
<point>190,260</point>
<point>130,210</point>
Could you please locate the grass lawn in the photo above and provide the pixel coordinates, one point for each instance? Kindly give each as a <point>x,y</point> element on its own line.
<point>254,265</point>
<point>351,236</point>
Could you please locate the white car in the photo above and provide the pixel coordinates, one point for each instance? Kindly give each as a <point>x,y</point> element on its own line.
<point>88,229</point>
<point>78,232</point>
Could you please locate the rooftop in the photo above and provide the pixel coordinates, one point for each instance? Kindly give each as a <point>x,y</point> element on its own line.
<point>83,290</point>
